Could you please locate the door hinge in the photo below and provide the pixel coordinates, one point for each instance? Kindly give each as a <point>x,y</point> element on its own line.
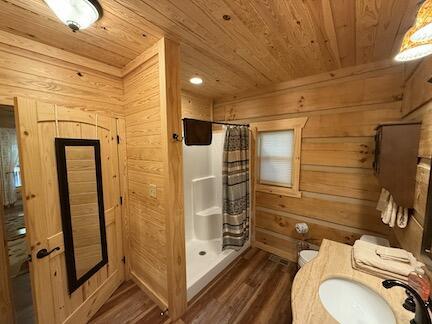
<point>124,259</point>
<point>118,139</point>
<point>121,200</point>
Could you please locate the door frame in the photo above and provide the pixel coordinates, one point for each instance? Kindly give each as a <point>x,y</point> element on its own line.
<point>6,302</point>
<point>7,306</point>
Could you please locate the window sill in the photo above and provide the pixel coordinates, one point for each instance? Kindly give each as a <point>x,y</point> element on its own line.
<point>289,192</point>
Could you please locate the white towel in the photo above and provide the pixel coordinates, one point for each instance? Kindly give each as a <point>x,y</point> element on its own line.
<point>366,259</point>
<point>395,210</point>
<point>386,215</point>
<point>395,254</point>
<point>383,200</point>
<point>402,221</point>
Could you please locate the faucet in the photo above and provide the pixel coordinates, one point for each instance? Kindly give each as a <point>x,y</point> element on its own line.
<point>422,308</point>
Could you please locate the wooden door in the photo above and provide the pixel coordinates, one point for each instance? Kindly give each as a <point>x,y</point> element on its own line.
<point>38,124</point>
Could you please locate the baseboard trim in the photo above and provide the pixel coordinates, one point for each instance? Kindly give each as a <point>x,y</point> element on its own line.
<point>160,301</point>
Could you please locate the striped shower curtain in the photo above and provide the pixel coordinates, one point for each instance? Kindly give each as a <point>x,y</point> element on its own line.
<point>235,174</point>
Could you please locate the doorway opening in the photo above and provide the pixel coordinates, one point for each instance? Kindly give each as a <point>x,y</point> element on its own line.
<point>15,232</point>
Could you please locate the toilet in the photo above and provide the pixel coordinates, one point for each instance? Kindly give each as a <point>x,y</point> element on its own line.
<point>306,256</point>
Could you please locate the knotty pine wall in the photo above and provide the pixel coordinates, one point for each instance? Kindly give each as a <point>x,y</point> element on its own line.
<point>339,189</point>
<point>31,69</point>
<point>417,106</point>
<point>195,106</point>
<point>155,229</point>
<point>147,243</point>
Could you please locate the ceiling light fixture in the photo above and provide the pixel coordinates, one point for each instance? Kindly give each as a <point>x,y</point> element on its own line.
<point>196,80</point>
<point>77,14</point>
<point>423,24</point>
<point>413,50</point>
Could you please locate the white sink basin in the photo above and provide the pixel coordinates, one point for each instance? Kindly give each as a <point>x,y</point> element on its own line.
<point>351,302</point>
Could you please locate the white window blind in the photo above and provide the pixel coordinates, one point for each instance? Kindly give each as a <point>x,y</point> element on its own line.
<point>276,157</point>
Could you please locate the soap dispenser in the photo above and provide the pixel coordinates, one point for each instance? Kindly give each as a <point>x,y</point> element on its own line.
<point>421,283</point>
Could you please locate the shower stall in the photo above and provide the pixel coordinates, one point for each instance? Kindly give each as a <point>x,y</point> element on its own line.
<point>203,214</point>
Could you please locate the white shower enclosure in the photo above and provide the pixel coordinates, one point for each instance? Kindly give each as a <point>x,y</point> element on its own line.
<point>203,214</point>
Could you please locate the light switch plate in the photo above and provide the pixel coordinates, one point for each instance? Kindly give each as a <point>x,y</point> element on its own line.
<point>152,190</point>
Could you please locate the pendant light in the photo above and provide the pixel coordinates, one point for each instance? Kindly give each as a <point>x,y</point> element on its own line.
<point>77,14</point>
<point>423,24</point>
<point>413,50</point>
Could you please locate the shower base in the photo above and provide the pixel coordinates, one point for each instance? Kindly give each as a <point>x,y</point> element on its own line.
<point>204,261</point>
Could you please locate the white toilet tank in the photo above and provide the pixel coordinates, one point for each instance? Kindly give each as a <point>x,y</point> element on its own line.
<point>306,256</point>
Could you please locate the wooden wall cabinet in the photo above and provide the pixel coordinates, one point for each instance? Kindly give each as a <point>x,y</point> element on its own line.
<point>395,164</point>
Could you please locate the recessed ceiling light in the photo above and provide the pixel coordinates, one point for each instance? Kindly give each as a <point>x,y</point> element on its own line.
<point>196,80</point>
<point>77,14</point>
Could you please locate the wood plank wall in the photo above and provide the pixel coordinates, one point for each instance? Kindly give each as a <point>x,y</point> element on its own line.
<point>156,259</point>
<point>417,105</point>
<point>195,106</point>
<point>30,69</point>
<point>147,258</point>
<point>337,181</point>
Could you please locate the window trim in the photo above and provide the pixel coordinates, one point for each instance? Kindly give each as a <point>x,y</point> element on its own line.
<point>295,124</point>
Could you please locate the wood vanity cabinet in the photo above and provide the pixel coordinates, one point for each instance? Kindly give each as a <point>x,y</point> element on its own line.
<point>395,163</point>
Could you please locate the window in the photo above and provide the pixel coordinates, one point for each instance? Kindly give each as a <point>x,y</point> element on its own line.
<point>276,157</point>
<point>278,146</point>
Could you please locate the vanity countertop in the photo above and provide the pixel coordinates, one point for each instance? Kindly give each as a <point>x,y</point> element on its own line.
<point>334,260</point>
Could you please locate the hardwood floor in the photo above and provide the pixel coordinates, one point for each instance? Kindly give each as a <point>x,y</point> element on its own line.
<point>23,299</point>
<point>129,304</point>
<point>255,289</point>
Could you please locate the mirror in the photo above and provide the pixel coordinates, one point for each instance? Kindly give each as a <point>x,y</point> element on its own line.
<point>82,210</point>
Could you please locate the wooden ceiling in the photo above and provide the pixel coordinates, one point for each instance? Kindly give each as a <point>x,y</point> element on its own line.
<point>263,42</point>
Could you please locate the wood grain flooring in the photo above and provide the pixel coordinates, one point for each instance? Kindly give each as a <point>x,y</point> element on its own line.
<point>254,289</point>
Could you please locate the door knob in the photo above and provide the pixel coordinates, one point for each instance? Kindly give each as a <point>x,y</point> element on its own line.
<point>44,252</point>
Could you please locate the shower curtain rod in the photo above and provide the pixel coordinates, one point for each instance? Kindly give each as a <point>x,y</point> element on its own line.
<point>219,123</point>
<point>178,138</point>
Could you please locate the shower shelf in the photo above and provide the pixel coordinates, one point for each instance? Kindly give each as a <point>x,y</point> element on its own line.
<point>215,210</point>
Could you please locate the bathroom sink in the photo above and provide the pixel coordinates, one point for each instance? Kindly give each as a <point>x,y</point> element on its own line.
<point>351,302</point>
